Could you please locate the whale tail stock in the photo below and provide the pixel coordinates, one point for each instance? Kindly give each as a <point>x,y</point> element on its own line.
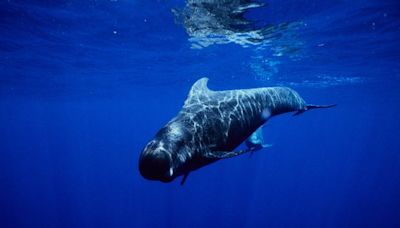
<point>311,106</point>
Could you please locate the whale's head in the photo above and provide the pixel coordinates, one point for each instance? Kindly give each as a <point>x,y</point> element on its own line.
<point>156,164</point>
<point>162,157</point>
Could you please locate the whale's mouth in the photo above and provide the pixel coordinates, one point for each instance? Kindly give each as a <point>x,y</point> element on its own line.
<point>156,166</point>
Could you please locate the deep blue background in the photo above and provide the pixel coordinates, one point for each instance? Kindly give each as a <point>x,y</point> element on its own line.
<point>85,84</point>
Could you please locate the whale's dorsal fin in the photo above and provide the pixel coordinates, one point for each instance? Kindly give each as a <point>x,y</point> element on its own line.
<point>199,89</point>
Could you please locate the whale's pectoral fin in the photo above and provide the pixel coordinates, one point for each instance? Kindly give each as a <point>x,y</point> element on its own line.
<point>224,154</point>
<point>310,106</point>
<point>253,149</point>
<point>184,178</point>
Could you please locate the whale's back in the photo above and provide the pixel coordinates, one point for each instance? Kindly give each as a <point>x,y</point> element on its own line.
<point>224,119</point>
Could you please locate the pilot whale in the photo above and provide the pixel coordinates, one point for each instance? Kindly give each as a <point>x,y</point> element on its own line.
<point>211,125</point>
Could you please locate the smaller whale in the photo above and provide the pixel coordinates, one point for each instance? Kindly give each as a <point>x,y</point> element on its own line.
<point>256,141</point>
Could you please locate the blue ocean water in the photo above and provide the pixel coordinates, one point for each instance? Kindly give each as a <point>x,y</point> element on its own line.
<point>84,85</point>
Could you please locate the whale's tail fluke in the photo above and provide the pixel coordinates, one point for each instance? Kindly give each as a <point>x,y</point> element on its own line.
<point>311,106</point>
